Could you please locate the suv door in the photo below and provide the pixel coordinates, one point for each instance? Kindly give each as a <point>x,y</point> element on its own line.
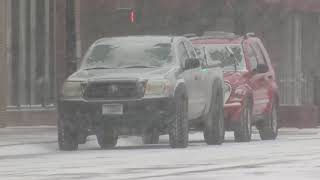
<point>257,82</point>
<point>268,77</point>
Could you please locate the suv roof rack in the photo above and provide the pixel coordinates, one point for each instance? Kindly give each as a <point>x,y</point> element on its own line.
<point>190,35</point>
<point>250,34</point>
<point>220,34</point>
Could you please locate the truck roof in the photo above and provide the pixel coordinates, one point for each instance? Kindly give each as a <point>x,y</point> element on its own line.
<point>161,39</point>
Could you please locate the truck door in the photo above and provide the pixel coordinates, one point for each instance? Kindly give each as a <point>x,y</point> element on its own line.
<point>201,74</point>
<point>191,78</point>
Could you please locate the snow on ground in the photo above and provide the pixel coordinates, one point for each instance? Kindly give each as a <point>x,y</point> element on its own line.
<point>32,153</point>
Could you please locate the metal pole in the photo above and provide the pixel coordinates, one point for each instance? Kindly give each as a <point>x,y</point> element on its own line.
<point>22,54</point>
<point>8,51</point>
<point>33,55</point>
<point>47,46</point>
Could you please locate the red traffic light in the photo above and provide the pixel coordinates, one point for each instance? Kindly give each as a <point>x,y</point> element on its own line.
<point>133,16</point>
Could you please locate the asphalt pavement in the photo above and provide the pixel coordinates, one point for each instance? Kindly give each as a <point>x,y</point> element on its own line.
<point>32,153</point>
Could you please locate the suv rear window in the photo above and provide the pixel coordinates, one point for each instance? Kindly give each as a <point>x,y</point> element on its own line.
<point>219,52</point>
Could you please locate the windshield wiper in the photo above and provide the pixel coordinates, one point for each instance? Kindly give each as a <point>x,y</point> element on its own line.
<point>100,67</point>
<point>140,66</point>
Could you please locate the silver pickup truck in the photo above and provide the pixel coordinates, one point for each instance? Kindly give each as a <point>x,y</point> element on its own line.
<point>145,86</point>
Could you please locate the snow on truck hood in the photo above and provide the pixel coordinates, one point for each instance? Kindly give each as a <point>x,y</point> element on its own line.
<point>123,73</point>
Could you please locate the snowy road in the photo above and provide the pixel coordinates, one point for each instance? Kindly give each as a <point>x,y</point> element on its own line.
<point>31,153</point>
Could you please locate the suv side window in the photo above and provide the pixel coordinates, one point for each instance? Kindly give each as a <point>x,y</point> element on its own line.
<point>190,49</point>
<point>182,53</point>
<point>252,58</point>
<point>258,51</point>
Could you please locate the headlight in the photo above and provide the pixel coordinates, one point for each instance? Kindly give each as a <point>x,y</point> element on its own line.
<point>158,88</point>
<point>227,91</point>
<point>72,89</point>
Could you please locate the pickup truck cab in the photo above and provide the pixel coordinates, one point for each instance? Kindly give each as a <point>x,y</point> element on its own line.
<point>252,96</point>
<point>145,86</point>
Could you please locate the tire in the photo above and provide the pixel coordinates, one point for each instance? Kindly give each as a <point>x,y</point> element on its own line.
<point>151,136</point>
<point>107,136</point>
<point>214,122</point>
<point>67,135</point>
<point>243,132</point>
<point>179,128</point>
<point>269,129</point>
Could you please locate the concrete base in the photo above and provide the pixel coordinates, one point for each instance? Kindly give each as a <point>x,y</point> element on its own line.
<point>304,116</point>
<point>28,118</point>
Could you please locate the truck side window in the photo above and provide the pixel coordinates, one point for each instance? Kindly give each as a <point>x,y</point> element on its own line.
<point>182,53</point>
<point>190,49</point>
<point>252,58</point>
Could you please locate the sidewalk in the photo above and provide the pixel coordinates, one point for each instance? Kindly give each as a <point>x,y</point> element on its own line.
<point>27,135</point>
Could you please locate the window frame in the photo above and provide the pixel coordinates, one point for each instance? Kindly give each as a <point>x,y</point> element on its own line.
<point>182,61</point>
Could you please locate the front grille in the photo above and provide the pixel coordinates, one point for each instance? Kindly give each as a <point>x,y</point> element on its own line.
<point>112,90</point>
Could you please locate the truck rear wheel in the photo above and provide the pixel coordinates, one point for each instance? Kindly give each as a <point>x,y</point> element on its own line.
<point>67,135</point>
<point>214,123</point>
<point>243,132</point>
<point>107,136</point>
<point>151,136</point>
<point>179,129</point>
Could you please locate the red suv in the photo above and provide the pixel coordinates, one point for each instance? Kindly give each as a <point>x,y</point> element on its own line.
<point>251,91</point>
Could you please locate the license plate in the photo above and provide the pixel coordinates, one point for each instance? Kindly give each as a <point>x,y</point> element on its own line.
<point>112,109</point>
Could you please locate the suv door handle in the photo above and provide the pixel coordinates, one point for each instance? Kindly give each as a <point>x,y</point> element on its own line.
<point>269,77</point>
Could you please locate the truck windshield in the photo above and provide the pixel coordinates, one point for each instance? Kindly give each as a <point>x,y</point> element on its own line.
<point>129,54</point>
<point>218,52</point>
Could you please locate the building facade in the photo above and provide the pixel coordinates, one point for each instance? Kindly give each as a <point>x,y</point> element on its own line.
<point>31,44</point>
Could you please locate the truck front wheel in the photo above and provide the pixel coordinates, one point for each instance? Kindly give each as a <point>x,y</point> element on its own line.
<point>67,135</point>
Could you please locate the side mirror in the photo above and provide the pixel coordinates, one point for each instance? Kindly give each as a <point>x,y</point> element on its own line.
<point>262,68</point>
<point>192,63</point>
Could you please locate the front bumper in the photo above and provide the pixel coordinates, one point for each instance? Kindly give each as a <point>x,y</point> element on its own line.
<point>137,113</point>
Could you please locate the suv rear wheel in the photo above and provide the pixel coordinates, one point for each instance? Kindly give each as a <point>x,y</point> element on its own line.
<point>67,135</point>
<point>243,132</point>
<point>107,136</point>
<point>179,129</point>
<point>214,123</point>
<point>269,129</point>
